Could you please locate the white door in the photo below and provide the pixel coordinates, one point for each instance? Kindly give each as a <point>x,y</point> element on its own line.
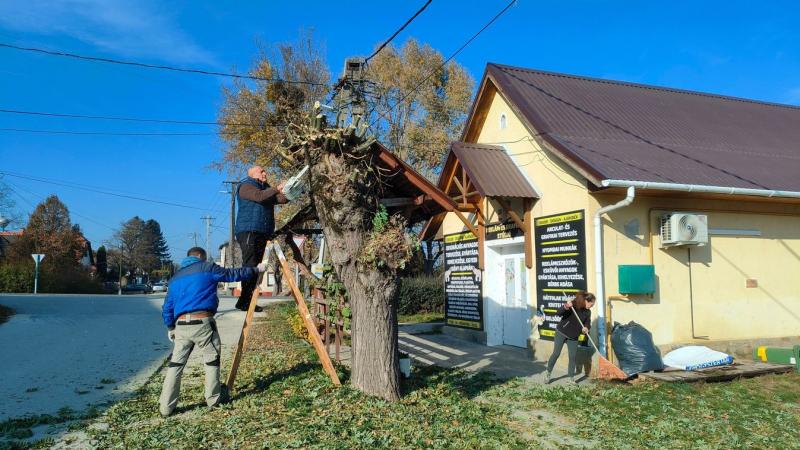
<point>515,307</point>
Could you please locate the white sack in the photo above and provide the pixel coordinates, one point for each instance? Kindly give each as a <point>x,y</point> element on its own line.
<point>695,357</point>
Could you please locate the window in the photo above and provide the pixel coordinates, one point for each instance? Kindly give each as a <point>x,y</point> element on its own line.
<point>503,121</point>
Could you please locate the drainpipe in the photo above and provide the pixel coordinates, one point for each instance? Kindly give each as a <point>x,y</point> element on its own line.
<point>598,266</point>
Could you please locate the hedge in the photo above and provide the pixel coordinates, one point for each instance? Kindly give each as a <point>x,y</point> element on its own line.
<point>421,294</point>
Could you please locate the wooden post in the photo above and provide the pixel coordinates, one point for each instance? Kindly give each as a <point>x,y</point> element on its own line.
<point>527,204</point>
<point>301,305</point>
<point>481,231</point>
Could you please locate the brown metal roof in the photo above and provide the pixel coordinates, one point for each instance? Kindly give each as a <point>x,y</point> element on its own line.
<point>491,170</point>
<point>625,131</point>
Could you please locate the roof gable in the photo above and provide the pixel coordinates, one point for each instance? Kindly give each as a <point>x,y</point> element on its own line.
<point>625,131</point>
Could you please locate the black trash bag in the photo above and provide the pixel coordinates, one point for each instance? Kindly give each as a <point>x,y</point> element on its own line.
<point>634,348</point>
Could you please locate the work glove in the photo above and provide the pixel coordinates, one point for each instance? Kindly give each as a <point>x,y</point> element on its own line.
<point>171,335</point>
<point>262,267</point>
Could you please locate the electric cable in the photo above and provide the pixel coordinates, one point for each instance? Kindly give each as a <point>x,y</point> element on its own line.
<point>129,119</point>
<point>155,66</point>
<point>385,43</point>
<point>84,188</point>
<point>460,49</point>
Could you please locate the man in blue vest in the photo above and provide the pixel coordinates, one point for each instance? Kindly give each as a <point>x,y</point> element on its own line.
<point>255,223</point>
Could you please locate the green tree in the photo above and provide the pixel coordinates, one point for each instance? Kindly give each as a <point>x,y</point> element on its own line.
<point>159,245</point>
<point>50,231</point>
<point>415,119</point>
<point>101,262</point>
<point>270,106</point>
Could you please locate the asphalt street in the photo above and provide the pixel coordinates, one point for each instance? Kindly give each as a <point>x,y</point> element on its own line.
<point>80,350</point>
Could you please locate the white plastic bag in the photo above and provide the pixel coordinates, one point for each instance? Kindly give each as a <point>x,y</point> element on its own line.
<point>694,357</point>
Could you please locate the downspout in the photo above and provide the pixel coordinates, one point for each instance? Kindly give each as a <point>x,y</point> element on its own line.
<point>598,266</point>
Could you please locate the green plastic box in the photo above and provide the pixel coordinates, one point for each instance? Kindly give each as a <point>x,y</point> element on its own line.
<point>637,279</point>
<point>778,355</point>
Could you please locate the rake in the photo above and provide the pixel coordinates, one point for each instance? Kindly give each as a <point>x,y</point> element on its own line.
<point>605,370</point>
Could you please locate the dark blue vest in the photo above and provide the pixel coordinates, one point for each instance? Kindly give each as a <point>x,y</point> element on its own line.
<point>253,216</point>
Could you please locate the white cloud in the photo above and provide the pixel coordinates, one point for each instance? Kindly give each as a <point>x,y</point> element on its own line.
<point>122,28</point>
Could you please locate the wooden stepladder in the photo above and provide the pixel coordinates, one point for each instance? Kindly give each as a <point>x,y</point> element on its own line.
<point>316,340</point>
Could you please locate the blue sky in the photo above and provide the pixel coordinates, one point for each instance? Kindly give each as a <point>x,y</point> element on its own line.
<point>734,48</point>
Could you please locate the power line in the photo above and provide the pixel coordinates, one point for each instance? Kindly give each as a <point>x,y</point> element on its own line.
<point>156,66</point>
<point>460,49</point>
<point>71,211</point>
<point>129,119</point>
<point>398,31</point>
<point>105,133</point>
<point>81,187</point>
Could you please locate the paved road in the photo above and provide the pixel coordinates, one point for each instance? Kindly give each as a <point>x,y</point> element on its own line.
<point>80,350</point>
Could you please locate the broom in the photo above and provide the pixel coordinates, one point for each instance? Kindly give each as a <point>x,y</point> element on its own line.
<point>605,370</point>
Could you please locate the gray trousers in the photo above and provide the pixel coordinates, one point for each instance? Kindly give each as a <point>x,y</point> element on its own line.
<point>572,349</point>
<point>205,337</point>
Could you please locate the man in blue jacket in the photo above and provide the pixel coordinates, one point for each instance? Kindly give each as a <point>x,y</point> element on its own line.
<point>255,223</point>
<point>188,313</point>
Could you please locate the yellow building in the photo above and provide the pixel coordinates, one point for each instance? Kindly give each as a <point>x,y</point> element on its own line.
<point>687,202</point>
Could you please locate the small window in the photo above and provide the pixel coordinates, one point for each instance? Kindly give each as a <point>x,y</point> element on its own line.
<point>503,121</point>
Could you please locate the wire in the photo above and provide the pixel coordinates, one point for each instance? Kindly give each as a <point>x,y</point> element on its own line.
<point>71,211</point>
<point>82,187</point>
<point>460,49</point>
<point>105,133</point>
<point>398,31</point>
<point>155,66</point>
<point>129,119</point>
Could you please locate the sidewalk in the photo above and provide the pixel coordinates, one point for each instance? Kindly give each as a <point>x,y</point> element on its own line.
<point>427,348</point>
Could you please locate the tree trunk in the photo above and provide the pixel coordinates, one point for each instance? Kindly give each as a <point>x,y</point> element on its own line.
<point>345,213</point>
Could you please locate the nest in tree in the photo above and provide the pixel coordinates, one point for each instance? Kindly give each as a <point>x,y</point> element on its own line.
<point>388,248</point>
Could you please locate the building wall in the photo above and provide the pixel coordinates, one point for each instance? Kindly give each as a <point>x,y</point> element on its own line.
<point>724,308</point>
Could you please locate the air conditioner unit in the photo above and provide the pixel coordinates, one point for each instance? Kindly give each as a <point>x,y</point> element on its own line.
<point>684,229</point>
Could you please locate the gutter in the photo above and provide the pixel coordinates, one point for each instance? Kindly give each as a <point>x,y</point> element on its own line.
<point>700,188</point>
<point>598,266</point>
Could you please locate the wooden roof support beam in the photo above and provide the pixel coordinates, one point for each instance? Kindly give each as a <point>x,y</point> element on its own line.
<point>458,198</point>
<point>514,216</point>
<point>527,205</point>
<point>430,190</point>
<point>481,232</point>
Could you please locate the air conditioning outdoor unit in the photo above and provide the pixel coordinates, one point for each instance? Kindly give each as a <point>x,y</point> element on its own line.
<point>684,229</point>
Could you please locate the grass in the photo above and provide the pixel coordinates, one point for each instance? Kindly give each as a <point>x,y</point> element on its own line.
<point>5,313</point>
<point>421,318</point>
<point>284,400</point>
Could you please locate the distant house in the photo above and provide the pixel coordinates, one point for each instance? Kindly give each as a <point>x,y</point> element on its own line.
<point>267,287</point>
<point>705,247</point>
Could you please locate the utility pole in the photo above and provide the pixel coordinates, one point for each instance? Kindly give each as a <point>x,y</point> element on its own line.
<point>231,260</point>
<point>193,235</point>
<point>119,292</point>
<point>208,220</point>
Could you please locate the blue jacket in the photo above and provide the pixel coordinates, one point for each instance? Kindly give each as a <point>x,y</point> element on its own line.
<point>254,216</point>
<point>194,287</point>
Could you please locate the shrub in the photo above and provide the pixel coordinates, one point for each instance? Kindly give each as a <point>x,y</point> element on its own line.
<point>298,326</point>
<point>16,278</point>
<point>421,294</point>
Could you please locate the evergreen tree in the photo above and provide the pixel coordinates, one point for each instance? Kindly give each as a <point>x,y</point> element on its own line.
<point>101,262</point>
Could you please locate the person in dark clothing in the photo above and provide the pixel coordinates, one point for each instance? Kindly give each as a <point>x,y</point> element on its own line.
<point>255,223</point>
<point>188,313</point>
<point>569,330</point>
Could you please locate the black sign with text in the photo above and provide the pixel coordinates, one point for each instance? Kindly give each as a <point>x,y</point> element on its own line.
<point>502,230</point>
<point>462,282</point>
<point>560,264</point>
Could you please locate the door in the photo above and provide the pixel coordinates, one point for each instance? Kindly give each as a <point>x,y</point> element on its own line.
<point>516,316</point>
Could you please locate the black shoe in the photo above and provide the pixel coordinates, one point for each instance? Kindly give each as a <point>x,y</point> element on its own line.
<point>258,309</point>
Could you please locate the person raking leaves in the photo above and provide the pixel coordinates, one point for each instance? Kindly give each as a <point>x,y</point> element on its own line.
<point>569,330</point>
<point>188,313</point>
